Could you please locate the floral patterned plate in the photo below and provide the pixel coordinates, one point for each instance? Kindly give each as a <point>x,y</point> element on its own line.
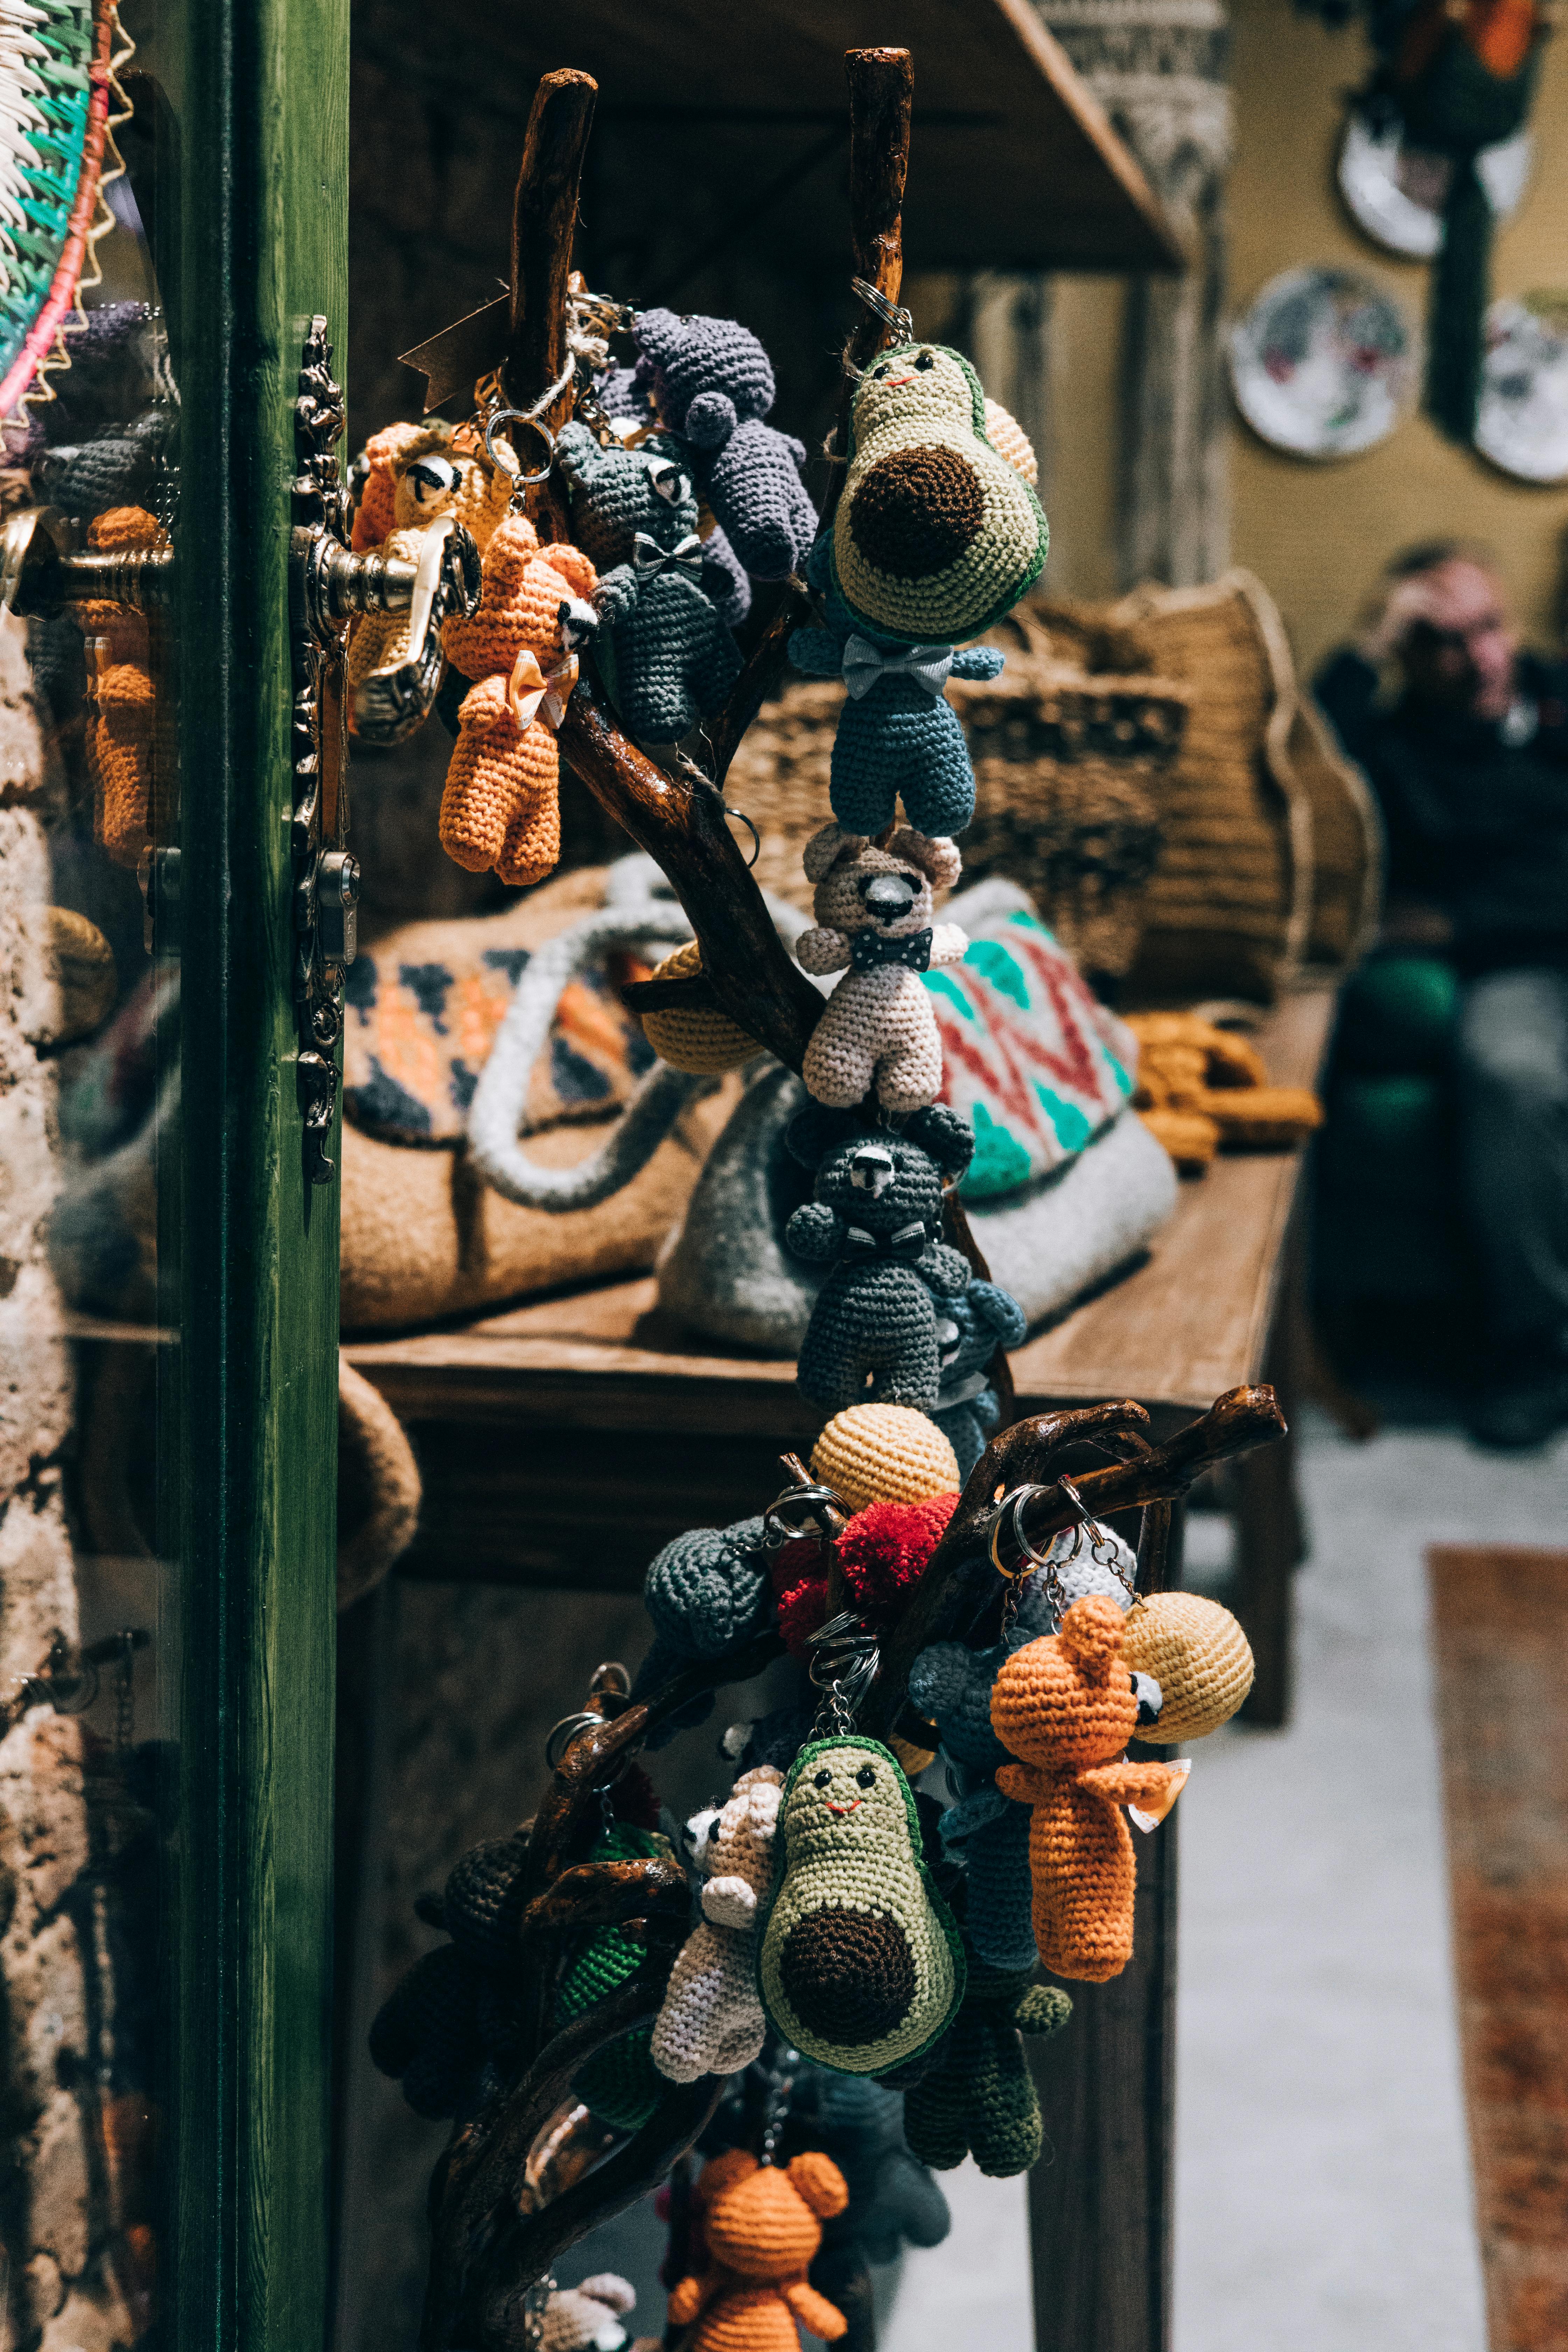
<point>1522,425</point>
<point>1324,364</point>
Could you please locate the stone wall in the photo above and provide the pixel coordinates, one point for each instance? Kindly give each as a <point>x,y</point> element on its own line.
<point>60,2185</point>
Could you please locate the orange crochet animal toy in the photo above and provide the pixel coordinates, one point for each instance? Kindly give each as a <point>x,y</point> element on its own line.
<point>761,2229</point>
<point>1066,1705</point>
<point>129,745</point>
<point>502,805</point>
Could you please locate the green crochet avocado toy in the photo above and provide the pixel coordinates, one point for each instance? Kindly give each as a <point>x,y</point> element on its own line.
<point>979,2098</point>
<point>936,535</point>
<point>861,1965</point>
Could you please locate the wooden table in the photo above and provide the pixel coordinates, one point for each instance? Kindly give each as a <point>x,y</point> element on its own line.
<point>564,1442</point>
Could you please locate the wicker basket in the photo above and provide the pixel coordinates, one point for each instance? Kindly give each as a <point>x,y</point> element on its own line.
<point>1065,766</point>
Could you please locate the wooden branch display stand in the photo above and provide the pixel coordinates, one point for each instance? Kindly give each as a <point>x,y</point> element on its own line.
<point>504,2203</point>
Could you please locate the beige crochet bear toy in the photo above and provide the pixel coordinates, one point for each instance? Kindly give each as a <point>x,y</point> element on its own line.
<point>587,2318</point>
<point>874,916</point>
<point>711,2021</point>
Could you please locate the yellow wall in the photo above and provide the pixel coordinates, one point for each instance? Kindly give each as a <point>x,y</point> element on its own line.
<point>1319,534</point>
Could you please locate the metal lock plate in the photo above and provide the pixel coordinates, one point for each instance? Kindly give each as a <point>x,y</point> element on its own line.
<point>337,901</point>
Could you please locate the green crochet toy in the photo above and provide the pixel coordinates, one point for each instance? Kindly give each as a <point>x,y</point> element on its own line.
<point>936,535</point>
<point>620,2083</point>
<point>861,1964</point>
<point>979,2098</point>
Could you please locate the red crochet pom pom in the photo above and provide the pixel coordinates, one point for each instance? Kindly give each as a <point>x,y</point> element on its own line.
<point>634,1799</point>
<point>802,1556</point>
<point>886,1546</point>
<point>802,1611</point>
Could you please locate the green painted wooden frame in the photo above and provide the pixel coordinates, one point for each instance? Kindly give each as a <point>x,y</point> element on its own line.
<point>262,111</point>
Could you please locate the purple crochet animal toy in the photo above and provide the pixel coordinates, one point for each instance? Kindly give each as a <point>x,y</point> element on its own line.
<point>709,381</point>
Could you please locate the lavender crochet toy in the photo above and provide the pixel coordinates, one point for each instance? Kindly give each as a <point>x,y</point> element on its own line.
<point>899,736</point>
<point>669,660</point>
<point>709,381</point>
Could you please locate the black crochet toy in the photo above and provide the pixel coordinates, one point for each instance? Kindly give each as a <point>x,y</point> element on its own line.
<point>668,659</point>
<point>972,1327</point>
<point>709,381</point>
<point>876,1210</point>
<point>708,1593</point>
<point>979,2098</point>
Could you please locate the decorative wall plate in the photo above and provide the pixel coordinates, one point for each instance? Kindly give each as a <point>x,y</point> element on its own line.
<point>57,83</point>
<point>1396,194</point>
<point>1323,363</point>
<point>1522,425</point>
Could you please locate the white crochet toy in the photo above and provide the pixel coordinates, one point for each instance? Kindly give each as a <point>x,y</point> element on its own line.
<point>587,2318</point>
<point>874,914</point>
<point>711,2021</point>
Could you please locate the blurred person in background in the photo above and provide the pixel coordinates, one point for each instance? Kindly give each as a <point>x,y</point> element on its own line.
<point>1469,760</point>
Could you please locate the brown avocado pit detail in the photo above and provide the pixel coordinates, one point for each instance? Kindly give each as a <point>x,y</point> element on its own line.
<point>916,512</point>
<point>848,1976</point>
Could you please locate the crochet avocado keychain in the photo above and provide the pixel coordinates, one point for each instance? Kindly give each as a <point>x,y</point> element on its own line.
<point>861,1964</point>
<point>936,535</point>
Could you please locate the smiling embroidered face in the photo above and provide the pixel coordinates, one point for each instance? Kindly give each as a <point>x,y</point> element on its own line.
<point>915,381</point>
<point>849,1785</point>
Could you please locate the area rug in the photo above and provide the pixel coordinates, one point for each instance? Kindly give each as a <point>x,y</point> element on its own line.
<point>1499,1630</point>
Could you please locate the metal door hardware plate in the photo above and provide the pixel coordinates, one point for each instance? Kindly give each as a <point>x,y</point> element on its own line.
<point>327,585</point>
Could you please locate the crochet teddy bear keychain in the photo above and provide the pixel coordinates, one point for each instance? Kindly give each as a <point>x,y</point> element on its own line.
<point>667,658</point>
<point>502,805</point>
<point>761,2227</point>
<point>711,2021</point>
<point>418,487</point>
<point>1065,1707</point>
<point>876,1210</point>
<point>873,910</point>
<point>709,381</point>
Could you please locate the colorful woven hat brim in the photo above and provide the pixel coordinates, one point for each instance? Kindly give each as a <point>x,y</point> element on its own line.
<point>57,63</point>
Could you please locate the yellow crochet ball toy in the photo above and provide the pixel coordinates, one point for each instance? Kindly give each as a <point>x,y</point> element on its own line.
<point>1199,1656</point>
<point>884,1454</point>
<point>698,1039</point>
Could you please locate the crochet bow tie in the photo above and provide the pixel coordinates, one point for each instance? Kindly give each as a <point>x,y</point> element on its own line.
<point>532,691</point>
<point>869,949</point>
<point>649,558</point>
<point>906,1242</point>
<point>865,663</point>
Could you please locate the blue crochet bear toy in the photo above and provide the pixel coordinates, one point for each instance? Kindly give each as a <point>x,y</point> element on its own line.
<point>707,1593</point>
<point>876,1210</point>
<point>669,660</point>
<point>981,1319</point>
<point>899,736</point>
<point>952,1686</point>
<point>709,381</point>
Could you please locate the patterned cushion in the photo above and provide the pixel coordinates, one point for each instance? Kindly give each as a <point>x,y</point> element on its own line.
<point>424,1004</point>
<point>1038,1065</point>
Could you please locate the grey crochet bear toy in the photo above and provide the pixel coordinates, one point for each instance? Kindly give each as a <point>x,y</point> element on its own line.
<point>709,381</point>
<point>972,1327</point>
<point>708,1593</point>
<point>876,1210</point>
<point>668,660</point>
<point>897,735</point>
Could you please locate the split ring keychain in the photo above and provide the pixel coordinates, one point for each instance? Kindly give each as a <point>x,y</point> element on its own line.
<point>1102,1551</point>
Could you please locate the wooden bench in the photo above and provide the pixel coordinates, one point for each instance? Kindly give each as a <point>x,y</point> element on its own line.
<point>564,1442</point>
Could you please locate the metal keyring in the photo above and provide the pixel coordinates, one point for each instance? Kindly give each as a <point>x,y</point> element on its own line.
<point>563,1733</point>
<point>517,416</point>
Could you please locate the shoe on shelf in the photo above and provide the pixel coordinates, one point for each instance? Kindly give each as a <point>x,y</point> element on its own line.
<point>1524,1402</point>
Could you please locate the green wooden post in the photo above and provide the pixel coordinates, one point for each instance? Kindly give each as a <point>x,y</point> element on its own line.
<point>262,106</point>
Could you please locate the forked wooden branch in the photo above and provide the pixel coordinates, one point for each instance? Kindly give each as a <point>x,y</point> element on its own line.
<point>543,223</point>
